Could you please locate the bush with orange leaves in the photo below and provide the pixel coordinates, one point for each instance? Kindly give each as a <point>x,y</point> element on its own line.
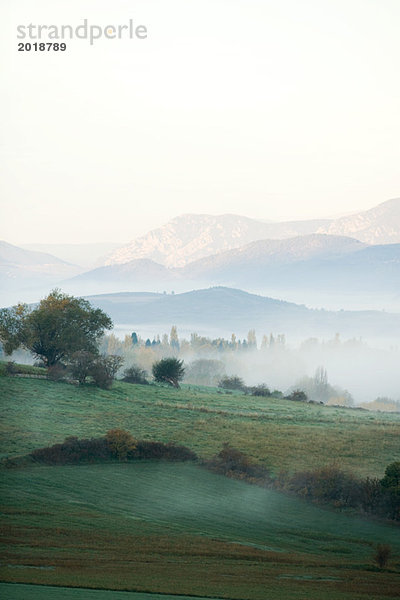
<point>120,443</point>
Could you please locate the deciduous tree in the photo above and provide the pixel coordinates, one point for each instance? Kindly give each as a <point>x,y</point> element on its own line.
<point>59,326</point>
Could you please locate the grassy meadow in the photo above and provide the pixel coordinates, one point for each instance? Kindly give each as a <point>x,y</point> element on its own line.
<point>13,591</point>
<point>165,528</point>
<point>275,433</point>
<point>178,529</point>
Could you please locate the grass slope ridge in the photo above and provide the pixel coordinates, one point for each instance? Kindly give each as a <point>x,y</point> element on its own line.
<point>278,434</point>
<point>13,591</point>
<point>180,529</point>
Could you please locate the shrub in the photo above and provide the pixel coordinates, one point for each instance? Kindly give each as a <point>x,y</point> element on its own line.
<point>100,376</point>
<point>382,555</point>
<point>297,396</point>
<point>332,485</point>
<point>11,368</point>
<point>73,451</point>
<point>391,490</point>
<point>158,450</point>
<point>232,383</point>
<point>113,363</point>
<point>205,372</point>
<point>391,480</point>
<point>81,364</point>
<point>135,374</point>
<point>327,484</point>
<point>169,370</point>
<point>370,495</point>
<point>120,443</point>
<point>104,369</point>
<point>232,462</point>
<point>232,458</point>
<point>56,372</point>
<point>117,444</point>
<point>260,390</point>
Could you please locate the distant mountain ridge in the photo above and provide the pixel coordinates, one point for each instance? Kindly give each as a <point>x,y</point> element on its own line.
<point>15,255</point>
<point>89,255</point>
<point>379,225</point>
<point>21,268</point>
<point>191,237</point>
<point>256,253</point>
<point>316,262</point>
<point>304,261</point>
<point>315,269</point>
<point>276,252</point>
<point>141,269</point>
<point>229,310</point>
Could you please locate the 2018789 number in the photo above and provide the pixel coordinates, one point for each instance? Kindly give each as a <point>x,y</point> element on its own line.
<point>41,47</point>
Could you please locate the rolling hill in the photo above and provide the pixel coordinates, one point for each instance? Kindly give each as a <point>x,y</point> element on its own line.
<point>177,529</point>
<point>300,435</point>
<point>173,528</point>
<point>225,310</point>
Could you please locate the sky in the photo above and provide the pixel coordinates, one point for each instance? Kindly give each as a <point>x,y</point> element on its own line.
<point>273,109</point>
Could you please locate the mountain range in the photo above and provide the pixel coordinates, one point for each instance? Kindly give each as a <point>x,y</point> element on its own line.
<point>305,261</point>
<point>313,262</point>
<point>305,265</point>
<point>191,237</point>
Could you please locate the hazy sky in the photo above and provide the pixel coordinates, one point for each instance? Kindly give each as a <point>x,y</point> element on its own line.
<point>269,108</point>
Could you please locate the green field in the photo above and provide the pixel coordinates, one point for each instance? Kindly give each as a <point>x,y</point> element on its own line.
<point>176,528</point>
<point>276,433</point>
<point>179,529</point>
<point>12,591</point>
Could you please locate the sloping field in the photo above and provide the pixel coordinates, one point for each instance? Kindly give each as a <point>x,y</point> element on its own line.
<point>276,433</point>
<point>15,591</point>
<point>178,529</point>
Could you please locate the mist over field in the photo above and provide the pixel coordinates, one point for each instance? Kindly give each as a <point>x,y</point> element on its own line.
<point>366,371</point>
